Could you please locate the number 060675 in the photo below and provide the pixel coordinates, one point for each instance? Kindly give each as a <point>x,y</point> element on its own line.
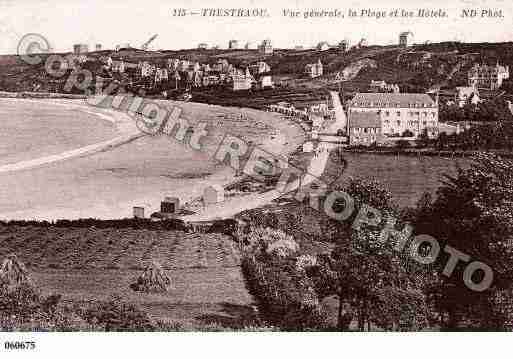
<point>20,345</point>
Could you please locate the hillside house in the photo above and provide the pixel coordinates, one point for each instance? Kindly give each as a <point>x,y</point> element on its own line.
<point>251,46</point>
<point>203,46</point>
<point>118,66</point>
<point>488,77</point>
<point>467,95</point>
<point>146,69</point>
<point>343,45</point>
<point>323,46</point>
<point>243,82</point>
<point>399,112</point>
<point>406,39</point>
<point>106,61</point>
<point>161,75</point>
<point>222,66</point>
<point>266,47</point>
<point>184,65</point>
<point>362,43</point>
<point>173,64</point>
<point>79,49</point>
<point>382,86</point>
<point>233,44</point>
<point>265,81</point>
<point>259,68</point>
<point>314,70</point>
<point>213,194</point>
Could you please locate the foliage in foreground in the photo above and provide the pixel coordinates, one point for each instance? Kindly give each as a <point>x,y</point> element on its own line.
<point>474,213</point>
<point>285,296</point>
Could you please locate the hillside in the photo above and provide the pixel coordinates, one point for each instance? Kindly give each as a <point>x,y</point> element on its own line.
<point>415,69</point>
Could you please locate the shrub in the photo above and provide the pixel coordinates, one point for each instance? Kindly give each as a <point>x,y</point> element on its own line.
<point>283,248</point>
<point>285,297</point>
<point>116,315</point>
<point>305,261</point>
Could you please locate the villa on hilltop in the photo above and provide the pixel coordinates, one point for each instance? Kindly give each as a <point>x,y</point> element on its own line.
<point>487,77</point>
<point>314,70</point>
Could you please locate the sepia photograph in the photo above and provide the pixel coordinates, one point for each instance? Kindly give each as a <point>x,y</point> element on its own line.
<point>286,171</point>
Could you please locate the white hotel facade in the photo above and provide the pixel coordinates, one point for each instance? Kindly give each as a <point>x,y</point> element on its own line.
<point>399,112</point>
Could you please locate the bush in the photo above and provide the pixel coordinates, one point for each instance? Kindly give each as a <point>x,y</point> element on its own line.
<point>23,308</point>
<point>285,297</point>
<point>117,315</point>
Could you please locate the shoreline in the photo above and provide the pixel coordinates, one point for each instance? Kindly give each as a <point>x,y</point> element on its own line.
<point>121,122</point>
<point>283,140</point>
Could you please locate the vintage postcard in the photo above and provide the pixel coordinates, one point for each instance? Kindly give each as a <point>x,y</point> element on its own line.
<point>173,166</point>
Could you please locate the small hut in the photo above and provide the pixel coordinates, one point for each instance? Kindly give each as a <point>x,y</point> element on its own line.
<point>308,147</point>
<point>138,212</point>
<point>213,194</point>
<point>170,205</point>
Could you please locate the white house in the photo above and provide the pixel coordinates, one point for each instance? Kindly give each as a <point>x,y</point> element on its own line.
<point>213,194</point>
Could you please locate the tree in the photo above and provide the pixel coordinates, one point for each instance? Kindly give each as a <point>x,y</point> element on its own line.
<point>423,140</point>
<point>373,284</point>
<point>407,133</point>
<point>473,213</point>
<point>402,144</point>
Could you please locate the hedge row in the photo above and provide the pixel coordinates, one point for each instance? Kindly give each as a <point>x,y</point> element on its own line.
<point>285,298</point>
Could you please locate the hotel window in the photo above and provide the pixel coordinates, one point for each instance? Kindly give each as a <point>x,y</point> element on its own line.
<point>387,113</point>
<point>398,123</point>
<point>398,113</point>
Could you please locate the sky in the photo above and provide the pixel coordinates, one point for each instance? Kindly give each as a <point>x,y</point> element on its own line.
<point>65,22</point>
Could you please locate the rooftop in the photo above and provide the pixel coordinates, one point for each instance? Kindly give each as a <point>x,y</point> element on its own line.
<point>402,100</point>
<point>364,120</point>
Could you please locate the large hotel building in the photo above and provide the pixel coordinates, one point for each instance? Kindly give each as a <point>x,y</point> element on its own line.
<point>398,114</point>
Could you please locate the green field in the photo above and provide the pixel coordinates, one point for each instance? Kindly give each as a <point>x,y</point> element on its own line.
<point>407,177</point>
<point>87,264</point>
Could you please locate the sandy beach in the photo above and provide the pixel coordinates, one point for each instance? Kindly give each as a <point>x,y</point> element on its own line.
<point>106,179</point>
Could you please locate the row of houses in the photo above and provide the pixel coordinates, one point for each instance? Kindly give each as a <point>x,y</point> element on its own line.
<point>196,74</point>
<point>383,86</point>
<point>319,110</point>
<point>265,47</point>
<point>314,70</point>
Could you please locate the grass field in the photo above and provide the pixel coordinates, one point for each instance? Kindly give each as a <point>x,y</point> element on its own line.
<point>91,264</point>
<point>407,177</point>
